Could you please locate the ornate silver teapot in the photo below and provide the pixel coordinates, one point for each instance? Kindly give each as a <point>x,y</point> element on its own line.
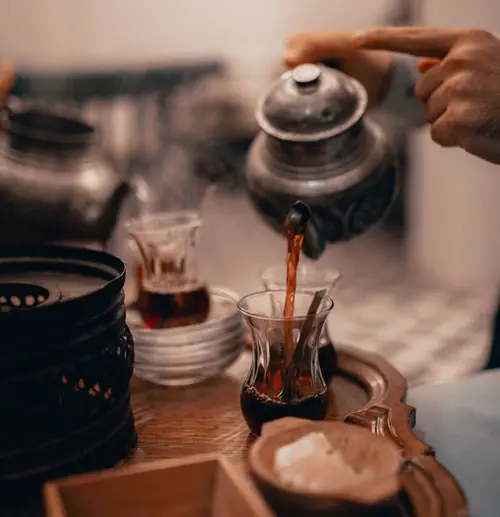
<point>54,183</point>
<point>317,145</point>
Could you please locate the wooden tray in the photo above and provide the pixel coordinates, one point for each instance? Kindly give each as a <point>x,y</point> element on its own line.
<point>206,417</point>
<point>367,391</point>
<point>200,486</point>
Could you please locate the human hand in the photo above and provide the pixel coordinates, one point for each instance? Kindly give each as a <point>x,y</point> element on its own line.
<point>460,87</point>
<point>368,67</point>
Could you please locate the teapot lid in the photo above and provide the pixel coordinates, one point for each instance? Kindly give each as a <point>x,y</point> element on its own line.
<point>310,103</point>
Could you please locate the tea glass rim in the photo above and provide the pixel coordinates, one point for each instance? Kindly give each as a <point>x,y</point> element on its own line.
<point>327,306</point>
<point>161,221</point>
<point>331,274</point>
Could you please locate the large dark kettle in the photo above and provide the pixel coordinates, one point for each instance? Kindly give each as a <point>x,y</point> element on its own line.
<point>317,145</point>
<point>54,183</point>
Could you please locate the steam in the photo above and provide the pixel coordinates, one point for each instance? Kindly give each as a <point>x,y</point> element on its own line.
<point>197,158</point>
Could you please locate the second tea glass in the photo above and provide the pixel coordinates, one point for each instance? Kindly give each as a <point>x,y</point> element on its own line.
<point>284,378</point>
<point>309,278</point>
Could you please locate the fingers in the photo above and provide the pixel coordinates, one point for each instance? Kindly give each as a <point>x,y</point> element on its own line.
<point>418,41</point>
<point>429,82</point>
<point>433,89</point>
<point>311,47</point>
<point>6,77</point>
<point>442,131</point>
<point>436,104</point>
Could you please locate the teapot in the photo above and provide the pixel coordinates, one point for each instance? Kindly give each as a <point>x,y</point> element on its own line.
<point>317,144</point>
<point>54,183</point>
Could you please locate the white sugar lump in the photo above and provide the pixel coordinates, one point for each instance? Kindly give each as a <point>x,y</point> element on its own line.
<point>311,464</point>
<point>312,443</point>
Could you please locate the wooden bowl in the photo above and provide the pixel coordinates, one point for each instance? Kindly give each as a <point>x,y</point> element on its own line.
<point>360,448</point>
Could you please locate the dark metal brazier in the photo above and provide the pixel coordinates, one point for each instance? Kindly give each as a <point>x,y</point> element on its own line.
<point>66,360</point>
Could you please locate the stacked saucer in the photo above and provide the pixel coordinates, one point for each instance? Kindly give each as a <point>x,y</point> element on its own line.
<point>190,354</point>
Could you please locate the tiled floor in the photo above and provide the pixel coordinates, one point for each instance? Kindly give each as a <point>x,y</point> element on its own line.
<point>429,333</point>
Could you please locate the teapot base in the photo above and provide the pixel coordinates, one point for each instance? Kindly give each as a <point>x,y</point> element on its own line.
<point>337,217</point>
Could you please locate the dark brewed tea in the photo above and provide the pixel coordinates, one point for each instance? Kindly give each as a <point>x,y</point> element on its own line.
<point>295,239</point>
<point>326,354</point>
<point>176,306</point>
<point>259,408</point>
<point>174,309</point>
<point>284,380</point>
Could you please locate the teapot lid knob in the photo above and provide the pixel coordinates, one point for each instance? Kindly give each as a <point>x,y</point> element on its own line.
<point>306,75</point>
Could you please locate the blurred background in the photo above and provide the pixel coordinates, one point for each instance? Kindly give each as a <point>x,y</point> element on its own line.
<point>172,87</point>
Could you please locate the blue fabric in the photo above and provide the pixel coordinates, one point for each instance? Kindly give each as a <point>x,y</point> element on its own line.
<point>461,420</point>
<point>399,100</point>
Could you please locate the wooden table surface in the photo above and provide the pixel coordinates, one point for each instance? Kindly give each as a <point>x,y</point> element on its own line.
<point>206,418</point>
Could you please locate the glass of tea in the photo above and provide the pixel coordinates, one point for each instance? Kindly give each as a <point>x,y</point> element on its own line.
<point>170,291</point>
<point>284,378</point>
<point>309,278</point>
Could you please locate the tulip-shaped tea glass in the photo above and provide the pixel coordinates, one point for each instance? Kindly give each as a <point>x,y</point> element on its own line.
<point>171,293</point>
<point>309,278</point>
<point>285,378</point>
